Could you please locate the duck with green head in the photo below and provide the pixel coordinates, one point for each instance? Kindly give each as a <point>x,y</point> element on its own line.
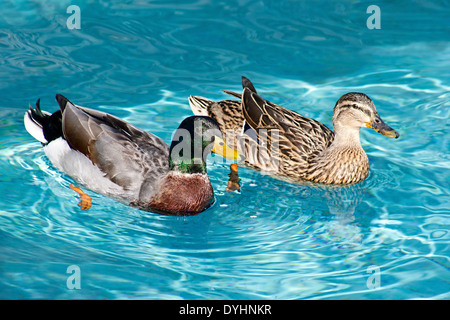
<point>112,157</point>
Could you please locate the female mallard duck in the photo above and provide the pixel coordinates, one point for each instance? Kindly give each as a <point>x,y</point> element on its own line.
<point>293,146</point>
<point>114,158</point>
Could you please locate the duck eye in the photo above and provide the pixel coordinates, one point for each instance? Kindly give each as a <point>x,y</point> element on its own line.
<point>377,121</point>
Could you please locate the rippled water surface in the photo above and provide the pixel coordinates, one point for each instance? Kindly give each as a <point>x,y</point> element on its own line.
<point>140,60</point>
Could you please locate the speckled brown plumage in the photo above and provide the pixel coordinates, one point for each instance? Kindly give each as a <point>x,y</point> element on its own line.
<point>338,166</point>
<point>291,146</point>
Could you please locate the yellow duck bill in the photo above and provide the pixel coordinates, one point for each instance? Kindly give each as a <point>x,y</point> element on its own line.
<point>381,127</point>
<point>225,151</point>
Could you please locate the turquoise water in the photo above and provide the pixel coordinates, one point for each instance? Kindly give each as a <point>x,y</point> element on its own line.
<point>140,60</point>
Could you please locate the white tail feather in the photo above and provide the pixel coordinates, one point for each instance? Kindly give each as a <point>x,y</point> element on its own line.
<point>33,127</point>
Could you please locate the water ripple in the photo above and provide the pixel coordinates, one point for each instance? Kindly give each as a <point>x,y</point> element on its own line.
<point>274,240</point>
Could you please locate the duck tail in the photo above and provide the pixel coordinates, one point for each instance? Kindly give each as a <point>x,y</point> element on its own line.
<point>246,83</point>
<point>43,126</point>
<point>62,101</point>
<point>200,105</point>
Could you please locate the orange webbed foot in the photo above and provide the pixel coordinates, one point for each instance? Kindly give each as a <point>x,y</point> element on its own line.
<point>85,200</point>
<point>234,181</point>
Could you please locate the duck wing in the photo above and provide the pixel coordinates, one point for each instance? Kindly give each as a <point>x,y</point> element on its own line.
<point>299,137</point>
<point>126,154</point>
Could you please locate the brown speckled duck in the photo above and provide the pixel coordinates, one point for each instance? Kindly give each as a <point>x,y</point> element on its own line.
<point>114,158</point>
<point>305,149</point>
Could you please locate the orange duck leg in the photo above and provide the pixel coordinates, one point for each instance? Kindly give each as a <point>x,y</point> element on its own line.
<point>85,200</point>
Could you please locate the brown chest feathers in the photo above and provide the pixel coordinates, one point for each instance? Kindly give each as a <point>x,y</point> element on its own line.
<point>181,195</point>
<point>338,166</point>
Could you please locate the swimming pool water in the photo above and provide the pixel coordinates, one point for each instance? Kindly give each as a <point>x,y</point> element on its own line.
<point>140,60</point>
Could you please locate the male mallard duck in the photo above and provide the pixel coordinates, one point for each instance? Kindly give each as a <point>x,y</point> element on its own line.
<point>293,146</point>
<point>114,158</point>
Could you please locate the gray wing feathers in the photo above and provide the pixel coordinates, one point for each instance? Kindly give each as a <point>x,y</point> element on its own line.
<point>126,154</point>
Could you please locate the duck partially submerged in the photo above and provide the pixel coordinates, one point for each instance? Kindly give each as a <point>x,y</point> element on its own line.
<point>296,147</point>
<point>114,158</point>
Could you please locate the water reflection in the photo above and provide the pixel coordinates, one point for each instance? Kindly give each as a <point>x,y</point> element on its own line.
<point>338,215</point>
